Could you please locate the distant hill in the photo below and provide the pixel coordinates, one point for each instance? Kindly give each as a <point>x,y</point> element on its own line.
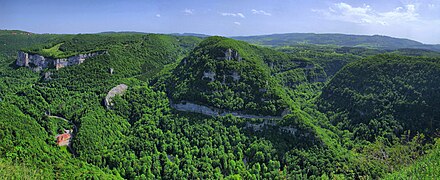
<point>11,40</point>
<point>375,41</point>
<point>14,32</point>
<point>122,32</point>
<point>191,34</point>
<point>174,34</point>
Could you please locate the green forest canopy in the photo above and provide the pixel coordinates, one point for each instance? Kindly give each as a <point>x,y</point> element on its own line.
<point>141,137</point>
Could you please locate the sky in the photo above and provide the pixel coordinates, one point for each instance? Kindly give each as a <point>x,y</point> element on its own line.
<point>413,19</point>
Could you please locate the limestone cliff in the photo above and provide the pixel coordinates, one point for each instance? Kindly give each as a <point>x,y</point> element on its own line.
<point>117,90</point>
<point>38,62</point>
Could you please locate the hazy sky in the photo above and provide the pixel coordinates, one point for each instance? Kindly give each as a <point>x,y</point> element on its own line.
<point>418,20</point>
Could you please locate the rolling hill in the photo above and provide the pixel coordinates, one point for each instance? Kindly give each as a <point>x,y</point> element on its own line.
<point>235,76</point>
<point>375,41</point>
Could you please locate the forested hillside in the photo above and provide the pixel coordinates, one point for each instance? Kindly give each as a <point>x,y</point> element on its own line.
<point>74,93</point>
<point>292,112</point>
<point>384,95</point>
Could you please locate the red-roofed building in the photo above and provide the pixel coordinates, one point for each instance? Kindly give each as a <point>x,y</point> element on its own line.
<point>63,139</point>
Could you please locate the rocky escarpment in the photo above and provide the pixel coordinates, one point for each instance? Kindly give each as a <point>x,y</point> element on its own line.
<point>38,62</point>
<point>117,90</point>
<point>229,55</point>
<point>210,111</point>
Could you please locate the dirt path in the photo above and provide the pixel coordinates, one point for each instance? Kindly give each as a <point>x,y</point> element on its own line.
<point>75,129</point>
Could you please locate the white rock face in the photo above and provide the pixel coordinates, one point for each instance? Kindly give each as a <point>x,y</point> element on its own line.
<point>231,55</point>
<point>37,62</point>
<point>47,76</point>
<point>191,107</point>
<point>22,59</point>
<point>228,54</point>
<point>33,61</point>
<point>118,90</point>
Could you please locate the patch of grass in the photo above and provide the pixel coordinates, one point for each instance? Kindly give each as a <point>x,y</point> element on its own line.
<point>64,149</point>
<point>54,51</point>
<point>9,170</point>
<point>425,168</point>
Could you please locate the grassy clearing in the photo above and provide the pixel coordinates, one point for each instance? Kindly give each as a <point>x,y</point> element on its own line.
<point>53,51</point>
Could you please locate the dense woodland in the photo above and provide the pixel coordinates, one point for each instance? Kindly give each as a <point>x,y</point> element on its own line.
<point>353,112</point>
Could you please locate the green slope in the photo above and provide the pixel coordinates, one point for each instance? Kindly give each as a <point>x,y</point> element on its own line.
<point>427,167</point>
<point>11,41</point>
<point>24,142</point>
<point>384,95</point>
<point>235,76</point>
<point>75,93</point>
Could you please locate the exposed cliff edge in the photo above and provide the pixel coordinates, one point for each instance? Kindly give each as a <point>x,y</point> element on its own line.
<point>191,107</point>
<point>117,90</point>
<point>38,62</point>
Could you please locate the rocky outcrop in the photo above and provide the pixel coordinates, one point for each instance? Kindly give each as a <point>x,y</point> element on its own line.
<point>22,59</point>
<point>34,61</point>
<point>191,107</point>
<point>74,60</point>
<point>232,55</point>
<point>211,76</point>
<point>260,126</point>
<point>38,62</point>
<point>118,90</point>
<point>47,76</point>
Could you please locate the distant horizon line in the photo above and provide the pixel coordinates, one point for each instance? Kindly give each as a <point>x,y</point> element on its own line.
<point>208,35</point>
